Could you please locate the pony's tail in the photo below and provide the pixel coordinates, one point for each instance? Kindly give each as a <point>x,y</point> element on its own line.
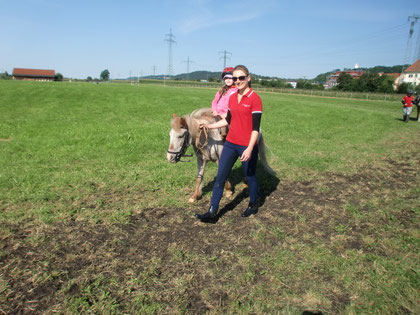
<point>263,157</point>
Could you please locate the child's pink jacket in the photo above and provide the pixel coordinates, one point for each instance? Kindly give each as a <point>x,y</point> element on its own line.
<point>221,104</point>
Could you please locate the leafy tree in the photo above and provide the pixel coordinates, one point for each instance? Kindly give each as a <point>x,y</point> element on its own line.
<point>404,87</point>
<point>385,84</point>
<point>274,82</point>
<point>105,75</point>
<point>384,69</point>
<point>5,76</point>
<point>345,82</point>
<point>318,86</point>
<point>89,79</point>
<point>368,82</point>
<point>58,77</point>
<point>304,84</point>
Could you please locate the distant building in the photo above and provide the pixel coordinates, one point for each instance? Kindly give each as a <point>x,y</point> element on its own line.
<point>33,74</point>
<point>292,83</point>
<point>410,75</point>
<point>332,79</point>
<point>394,75</point>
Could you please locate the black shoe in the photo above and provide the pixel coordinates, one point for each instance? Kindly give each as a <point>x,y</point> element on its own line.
<point>210,214</point>
<point>252,209</point>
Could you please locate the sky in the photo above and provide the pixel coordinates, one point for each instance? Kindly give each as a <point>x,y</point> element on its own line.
<point>286,39</point>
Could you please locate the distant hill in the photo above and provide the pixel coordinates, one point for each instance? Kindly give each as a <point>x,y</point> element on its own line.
<point>198,75</point>
<point>192,76</point>
<point>216,76</point>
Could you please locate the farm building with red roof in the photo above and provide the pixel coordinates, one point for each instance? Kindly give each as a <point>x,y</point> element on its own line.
<point>332,78</point>
<point>33,74</point>
<point>410,75</point>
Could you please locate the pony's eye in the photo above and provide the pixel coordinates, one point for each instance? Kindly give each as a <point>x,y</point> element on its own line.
<point>181,136</point>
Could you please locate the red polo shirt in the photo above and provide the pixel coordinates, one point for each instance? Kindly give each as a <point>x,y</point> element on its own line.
<point>408,100</point>
<point>240,127</point>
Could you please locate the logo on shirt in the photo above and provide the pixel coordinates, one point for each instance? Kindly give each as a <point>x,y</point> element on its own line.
<point>246,105</point>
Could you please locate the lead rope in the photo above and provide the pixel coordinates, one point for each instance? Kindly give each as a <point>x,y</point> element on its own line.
<point>203,133</point>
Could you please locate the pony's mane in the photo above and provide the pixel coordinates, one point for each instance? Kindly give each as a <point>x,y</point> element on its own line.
<point>192,123</point>
<point>178,122</point>
<point>197,117</point>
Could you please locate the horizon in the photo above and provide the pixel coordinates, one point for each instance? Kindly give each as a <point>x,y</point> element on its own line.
<point>273,38</point>
<point>215,72</point>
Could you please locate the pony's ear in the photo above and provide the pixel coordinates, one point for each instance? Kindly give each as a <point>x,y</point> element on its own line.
<point>184,123</point>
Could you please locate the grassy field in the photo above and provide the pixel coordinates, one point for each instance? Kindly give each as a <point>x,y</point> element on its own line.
<point>93,219</point>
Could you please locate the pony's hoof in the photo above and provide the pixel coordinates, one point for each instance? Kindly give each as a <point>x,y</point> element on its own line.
<point>228,194</point>
<point>192,200</point>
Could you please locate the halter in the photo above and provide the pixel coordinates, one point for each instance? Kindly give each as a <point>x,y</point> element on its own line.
<point>181,153</point>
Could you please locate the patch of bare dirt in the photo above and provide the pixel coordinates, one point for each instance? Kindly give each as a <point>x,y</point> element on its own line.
<point>161,248</point>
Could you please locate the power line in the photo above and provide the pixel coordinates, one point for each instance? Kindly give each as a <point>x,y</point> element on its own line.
<point>170,39</point>
<point>408,59</point>
<point>188,61</point>
<point>349,46</point>
<point>225,56</point>
<point>415,17</point>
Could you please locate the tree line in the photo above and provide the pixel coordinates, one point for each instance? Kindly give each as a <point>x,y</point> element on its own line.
<point>371,82</point>
<point>300,84</point>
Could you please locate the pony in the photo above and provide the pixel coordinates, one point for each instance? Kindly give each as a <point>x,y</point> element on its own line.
<point>207,145</point>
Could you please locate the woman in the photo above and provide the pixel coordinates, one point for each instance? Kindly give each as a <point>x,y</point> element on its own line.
<point>219,106</point>
<point>243,118</point>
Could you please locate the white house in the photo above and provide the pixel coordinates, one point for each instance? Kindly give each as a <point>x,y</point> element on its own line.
<point>410,75</point>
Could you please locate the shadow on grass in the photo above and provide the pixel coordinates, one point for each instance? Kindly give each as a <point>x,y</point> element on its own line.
<point>267,184</point>
<point>411,118</point>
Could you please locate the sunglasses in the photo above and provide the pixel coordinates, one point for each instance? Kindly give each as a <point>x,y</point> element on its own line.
<point>241,78</point>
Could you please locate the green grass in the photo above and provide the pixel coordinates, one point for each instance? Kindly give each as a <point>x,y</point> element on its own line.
<point>64,136</point>
<point>93,219</point>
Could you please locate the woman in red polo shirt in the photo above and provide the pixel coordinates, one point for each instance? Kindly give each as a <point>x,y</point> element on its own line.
<point>243,118</point>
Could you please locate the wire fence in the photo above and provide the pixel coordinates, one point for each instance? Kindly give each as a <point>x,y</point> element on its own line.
<point>387,97</point>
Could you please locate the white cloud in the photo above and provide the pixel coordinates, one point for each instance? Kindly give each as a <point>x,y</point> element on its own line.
<point>205,14</point>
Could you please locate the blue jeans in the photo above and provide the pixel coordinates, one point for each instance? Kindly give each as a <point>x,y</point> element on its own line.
<point>231,152</point>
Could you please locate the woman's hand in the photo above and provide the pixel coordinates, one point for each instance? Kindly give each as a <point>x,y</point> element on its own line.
<point>246,154</point>
<point>201,126</point>
<point>214,113</point>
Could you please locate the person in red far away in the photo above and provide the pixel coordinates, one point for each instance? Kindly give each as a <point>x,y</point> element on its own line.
<point>243,118</point>
<point>407,102</point>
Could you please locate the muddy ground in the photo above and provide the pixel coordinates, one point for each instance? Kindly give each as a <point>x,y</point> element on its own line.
<point>46,268</point>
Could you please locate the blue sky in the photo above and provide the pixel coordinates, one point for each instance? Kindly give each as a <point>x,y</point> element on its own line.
<point>288,39</point>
